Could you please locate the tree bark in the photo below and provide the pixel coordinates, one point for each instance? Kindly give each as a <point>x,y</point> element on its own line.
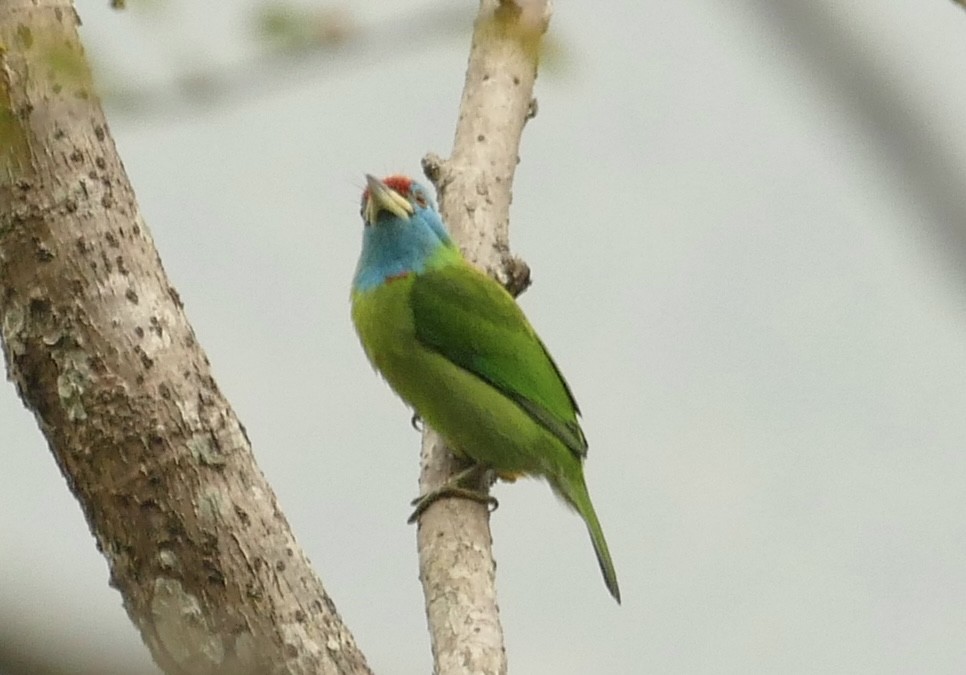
<point>98,346</point>
<point>454,542</point>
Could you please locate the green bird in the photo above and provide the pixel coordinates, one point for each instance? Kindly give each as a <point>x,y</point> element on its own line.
<point>456,347</point>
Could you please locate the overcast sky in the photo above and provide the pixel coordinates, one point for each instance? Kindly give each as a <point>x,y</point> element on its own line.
<point>743,224</point>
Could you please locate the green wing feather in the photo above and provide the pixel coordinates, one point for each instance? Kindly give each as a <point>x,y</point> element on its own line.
<point>473,322</point>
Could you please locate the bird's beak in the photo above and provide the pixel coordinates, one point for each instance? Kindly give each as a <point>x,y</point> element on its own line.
<point>384,198</point>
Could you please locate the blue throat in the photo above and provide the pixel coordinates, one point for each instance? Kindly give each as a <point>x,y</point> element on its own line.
<point>394,247</point>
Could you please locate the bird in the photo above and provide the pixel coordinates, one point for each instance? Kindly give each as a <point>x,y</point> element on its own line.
<point>458,349</point>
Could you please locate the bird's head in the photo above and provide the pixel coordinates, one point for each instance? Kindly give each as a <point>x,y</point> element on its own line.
<point>395,196</point>
<point>403,229</point>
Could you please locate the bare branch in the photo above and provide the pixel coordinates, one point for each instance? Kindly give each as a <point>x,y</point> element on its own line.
<point>34,648</point>
<point>328,41</point>
<point>898,125</point>
<point>98,345</point>
<point>456,560</point>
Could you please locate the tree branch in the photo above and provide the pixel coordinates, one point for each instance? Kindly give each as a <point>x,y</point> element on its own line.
<point>98,345</point>
<point>309,43</point>
<point>31,647</point>
<point>897,125</point>
<point>455,547</point>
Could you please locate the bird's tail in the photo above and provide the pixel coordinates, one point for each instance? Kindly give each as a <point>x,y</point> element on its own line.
<point>574,491</point>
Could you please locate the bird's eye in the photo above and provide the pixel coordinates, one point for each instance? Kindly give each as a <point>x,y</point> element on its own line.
<point>420,199</point>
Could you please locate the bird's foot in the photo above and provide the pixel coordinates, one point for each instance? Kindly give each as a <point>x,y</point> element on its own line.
<point>452,488</point>
<point>417,422</point>
<point>425,501</point>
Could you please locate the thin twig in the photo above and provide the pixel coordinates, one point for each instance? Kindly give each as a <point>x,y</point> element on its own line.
<point>271,71</point>
<point>455,553</point>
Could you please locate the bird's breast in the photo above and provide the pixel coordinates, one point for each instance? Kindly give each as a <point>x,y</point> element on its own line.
<point>384,321</point>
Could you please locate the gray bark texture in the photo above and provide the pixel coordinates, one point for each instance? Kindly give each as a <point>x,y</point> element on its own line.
<point>456,563</point>
<point>98,346</point>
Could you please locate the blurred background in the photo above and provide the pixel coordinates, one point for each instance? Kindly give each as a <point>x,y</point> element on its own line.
<point>747,228</point>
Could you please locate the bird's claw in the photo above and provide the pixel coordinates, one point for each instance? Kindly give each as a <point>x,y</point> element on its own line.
<point>417,422</point>
<point>423,502</point>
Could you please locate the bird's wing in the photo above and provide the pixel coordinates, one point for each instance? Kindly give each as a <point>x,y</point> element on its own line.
<point>471,320</point>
